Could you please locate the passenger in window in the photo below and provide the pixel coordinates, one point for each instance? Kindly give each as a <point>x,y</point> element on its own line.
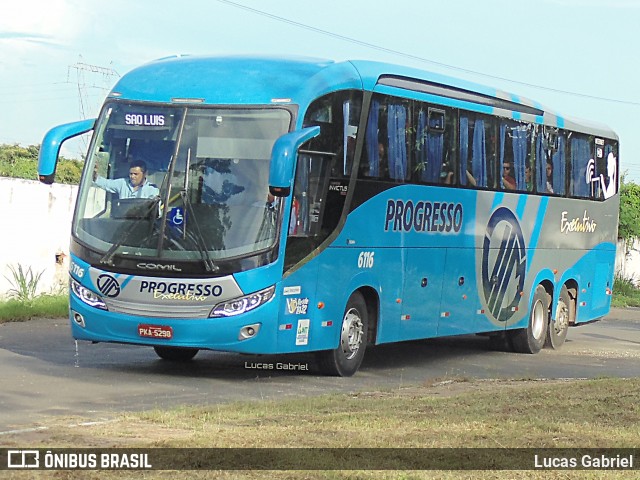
<point>549,177</point>
<point>507,177</point>
<point>527,178</point>
<point>446,175</point>
<point>471,181</point>
<point>383,165</point>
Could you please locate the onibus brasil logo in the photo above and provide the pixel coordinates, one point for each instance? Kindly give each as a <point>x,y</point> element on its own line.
<point>504,261</point>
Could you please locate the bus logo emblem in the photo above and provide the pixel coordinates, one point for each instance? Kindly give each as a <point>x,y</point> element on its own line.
<point>108,286</point>
<point>504,261</point>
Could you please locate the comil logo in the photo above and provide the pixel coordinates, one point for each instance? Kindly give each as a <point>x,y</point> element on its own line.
<point>504,261</point>
<point>108,286</point>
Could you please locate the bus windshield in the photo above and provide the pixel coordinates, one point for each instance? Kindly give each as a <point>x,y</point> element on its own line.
<point>180,183</point>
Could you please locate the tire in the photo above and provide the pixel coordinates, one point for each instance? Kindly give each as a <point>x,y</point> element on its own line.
<point>558,327</point>
<point>532,338</point>
<point>176,354</point>
<point>345,360</point>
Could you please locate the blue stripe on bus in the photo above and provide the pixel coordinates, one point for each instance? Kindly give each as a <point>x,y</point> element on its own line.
<point>127,280</point>
<point>497,200</point>
<point>537,228</point>
<point>522,203</point>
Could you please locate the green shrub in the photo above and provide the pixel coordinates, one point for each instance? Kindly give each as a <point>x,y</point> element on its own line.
<point>24,283</point>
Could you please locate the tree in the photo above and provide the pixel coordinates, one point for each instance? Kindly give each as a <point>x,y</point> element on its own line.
<point>22,162</point>
<point>629,227</point>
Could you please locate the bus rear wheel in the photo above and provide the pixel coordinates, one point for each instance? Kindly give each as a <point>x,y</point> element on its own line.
<point>532,338</point>
<point>558,327</point>
<point>345,360</point>
<point>176,354</point>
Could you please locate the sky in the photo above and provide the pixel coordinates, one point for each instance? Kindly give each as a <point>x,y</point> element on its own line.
<point>580,58</point>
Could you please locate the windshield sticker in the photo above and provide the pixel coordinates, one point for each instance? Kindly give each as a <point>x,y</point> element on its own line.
<point>176,216</point>
<point>292,290</point>
<point>302,334</point>
<point>422,216</point>
<point>297,306</point>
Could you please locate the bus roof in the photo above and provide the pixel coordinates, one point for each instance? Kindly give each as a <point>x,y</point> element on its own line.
<point>237,80</point>
<point>252,80</point>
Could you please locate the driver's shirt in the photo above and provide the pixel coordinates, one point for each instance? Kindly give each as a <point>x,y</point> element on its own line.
<point>122,187</point>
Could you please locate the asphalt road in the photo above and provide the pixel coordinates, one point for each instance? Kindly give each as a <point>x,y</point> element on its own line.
<point>44,376</point>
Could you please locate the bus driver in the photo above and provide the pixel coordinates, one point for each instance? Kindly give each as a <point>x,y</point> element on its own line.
<point>136,187</point>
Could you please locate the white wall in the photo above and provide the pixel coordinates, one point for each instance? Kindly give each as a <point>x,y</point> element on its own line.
<point>35,225</point>
<point>628,260</point>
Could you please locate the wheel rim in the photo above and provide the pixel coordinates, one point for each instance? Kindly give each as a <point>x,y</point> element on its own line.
<point>538,320</point>
<point>562,318</point>
<point>352,332</point>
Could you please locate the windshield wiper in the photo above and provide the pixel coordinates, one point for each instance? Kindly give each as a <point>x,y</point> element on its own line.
<point>107,258</point>
<point>199,238</point>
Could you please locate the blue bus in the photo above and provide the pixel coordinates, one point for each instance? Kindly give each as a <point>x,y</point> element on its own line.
<point>285,205</point>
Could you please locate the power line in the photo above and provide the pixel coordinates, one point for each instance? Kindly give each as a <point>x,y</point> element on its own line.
<point>419,58</point>
<point>80,68</point>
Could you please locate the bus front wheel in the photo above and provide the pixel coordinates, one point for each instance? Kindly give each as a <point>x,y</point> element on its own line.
<point>176,354</point>
<point>532,338</point>
<point>559,326</point>
<point>345,360</point>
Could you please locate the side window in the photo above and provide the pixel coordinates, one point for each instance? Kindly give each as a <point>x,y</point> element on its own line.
<point>337,115</point>
<point>515,154</point>
<point>309,194</point>
<point>582,165</point>
<point>551,161</point>
<point>607,167</point>
<point>436,155</point>
<point>386,153</point>
<point>322,173</point>
<point>477,150</point>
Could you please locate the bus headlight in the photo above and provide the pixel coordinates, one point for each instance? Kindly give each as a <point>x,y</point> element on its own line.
<point>244,304</point>
<point>87,296</point>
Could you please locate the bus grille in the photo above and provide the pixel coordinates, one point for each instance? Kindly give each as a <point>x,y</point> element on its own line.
<point>158,311</point>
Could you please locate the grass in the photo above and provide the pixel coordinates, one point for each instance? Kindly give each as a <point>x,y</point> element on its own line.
<point>625,293</point>
<point>42,306</point>
<point>24,303</point>
<point>601,413</point>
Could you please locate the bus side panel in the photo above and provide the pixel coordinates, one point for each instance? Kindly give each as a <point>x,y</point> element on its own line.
<point>346,269</point>
<point>299,320</point>
<point>594,272</point>
<point>460,311</point>
<point>422,292</point>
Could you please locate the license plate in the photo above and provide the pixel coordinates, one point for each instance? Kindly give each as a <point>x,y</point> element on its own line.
<point>155,331</point>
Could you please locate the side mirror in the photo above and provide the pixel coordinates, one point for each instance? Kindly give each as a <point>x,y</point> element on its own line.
<point>283,159</point>
<point>50,148</point>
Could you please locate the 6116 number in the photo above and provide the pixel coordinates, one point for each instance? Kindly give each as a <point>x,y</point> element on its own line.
<point>365,259</point>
